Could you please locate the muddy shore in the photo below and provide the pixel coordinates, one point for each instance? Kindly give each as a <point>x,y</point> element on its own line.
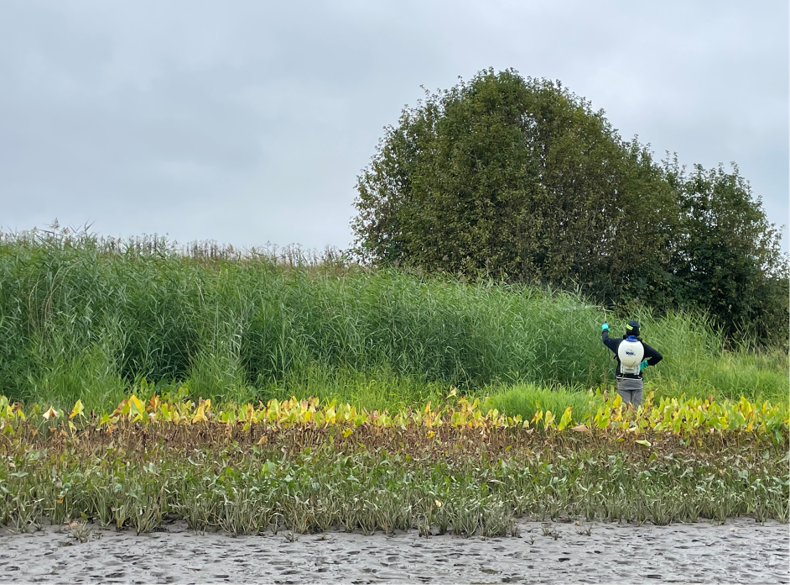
<point>740,551</point>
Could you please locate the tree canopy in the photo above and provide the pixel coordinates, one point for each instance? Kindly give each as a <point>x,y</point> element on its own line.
<point>519,179</point>
<point>725,254</point>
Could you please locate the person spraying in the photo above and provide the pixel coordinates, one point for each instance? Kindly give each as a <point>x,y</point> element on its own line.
<point>633,356</point>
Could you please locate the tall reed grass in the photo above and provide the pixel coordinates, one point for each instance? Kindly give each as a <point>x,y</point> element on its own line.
<point>84,317</point>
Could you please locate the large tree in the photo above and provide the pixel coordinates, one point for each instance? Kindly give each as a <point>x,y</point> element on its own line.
<point>519,179</point>
<point>726,254</point>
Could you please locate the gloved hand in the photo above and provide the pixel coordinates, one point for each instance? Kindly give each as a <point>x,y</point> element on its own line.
<point>605,326</point>
<point>643,365</point>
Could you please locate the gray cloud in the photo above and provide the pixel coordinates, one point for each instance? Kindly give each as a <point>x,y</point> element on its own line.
<point>247,122</point>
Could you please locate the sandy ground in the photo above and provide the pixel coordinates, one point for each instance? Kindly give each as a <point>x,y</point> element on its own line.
<point>741,551</point>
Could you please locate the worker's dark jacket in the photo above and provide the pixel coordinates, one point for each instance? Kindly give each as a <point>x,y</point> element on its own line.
<point>651,355</point>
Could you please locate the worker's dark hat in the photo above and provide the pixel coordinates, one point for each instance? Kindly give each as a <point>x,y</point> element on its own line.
<point>632,329</point>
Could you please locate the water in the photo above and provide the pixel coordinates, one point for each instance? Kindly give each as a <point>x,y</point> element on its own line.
<point>740,551</point>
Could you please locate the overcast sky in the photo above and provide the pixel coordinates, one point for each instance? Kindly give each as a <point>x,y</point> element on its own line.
<point>247,122</point>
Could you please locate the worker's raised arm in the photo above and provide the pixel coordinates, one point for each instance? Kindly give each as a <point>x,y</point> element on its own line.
<point>610,343</point>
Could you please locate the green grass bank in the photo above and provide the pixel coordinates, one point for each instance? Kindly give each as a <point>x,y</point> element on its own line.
<point>82,317</point>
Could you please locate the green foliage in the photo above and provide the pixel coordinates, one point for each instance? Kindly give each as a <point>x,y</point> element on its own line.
<point>758,376</point>
<point>519,179</point>
<point>726,257</point>
<point>527,399</point>
<point>516,178</point>
<point>377,388</point>
<point>254,490</point>
<point>86,319</point>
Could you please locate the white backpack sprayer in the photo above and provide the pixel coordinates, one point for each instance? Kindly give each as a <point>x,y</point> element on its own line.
<point>631,352</point>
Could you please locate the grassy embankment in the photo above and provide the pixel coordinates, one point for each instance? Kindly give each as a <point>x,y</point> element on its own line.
<point>87,319</point>
<point>95,321</point>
